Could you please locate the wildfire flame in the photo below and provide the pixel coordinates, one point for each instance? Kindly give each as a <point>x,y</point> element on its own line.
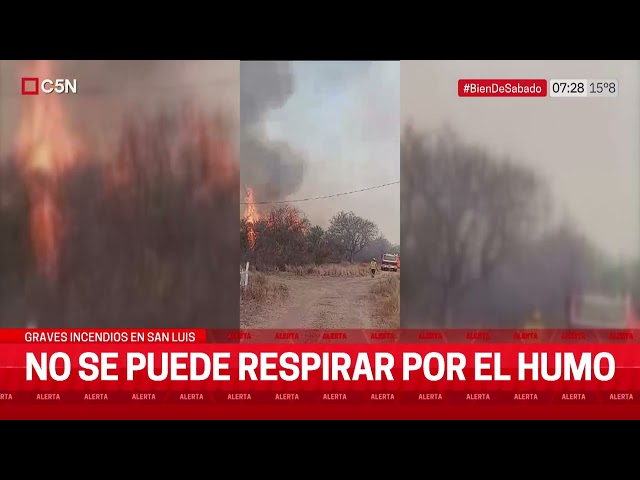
<point>46,150</point>
<point>204,135</point>
<point>251,217</point>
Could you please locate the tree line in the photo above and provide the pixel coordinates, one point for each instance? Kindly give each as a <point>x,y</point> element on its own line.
<point>285,237</point>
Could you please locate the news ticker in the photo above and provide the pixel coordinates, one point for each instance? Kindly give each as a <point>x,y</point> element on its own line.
<point>274,374</point>
<point>558,88</point>
<point>320,336</point>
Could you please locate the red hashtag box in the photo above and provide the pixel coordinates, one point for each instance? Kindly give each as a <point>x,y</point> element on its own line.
<point>30,91</point>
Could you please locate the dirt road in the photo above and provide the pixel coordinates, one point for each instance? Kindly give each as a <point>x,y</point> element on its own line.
<point>318,302</point>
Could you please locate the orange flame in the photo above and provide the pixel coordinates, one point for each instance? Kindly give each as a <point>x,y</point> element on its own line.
<point>193,132</point>
<point>46,150</point>
<point>46,224</point>
<point>251,217</point>
<point>294,220</point>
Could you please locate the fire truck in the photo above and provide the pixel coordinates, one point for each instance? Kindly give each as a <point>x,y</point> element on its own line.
<point>389,262</point>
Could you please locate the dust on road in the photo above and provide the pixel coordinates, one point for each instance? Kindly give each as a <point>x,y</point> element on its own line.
<point>319,302</point>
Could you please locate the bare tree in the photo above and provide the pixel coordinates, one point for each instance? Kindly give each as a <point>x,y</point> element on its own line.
<point>377,248</point>
<point>354,233</point>
<point>464,212</point>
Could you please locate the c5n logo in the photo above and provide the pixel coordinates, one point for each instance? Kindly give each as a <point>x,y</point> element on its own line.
<point>35,86</point>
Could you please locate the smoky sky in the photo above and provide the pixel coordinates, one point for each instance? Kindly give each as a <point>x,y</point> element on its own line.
<point>111,91</point>
<point>312,129</point>
<point>271,168</point>
<point>264,86</point>
<point>586,149</point>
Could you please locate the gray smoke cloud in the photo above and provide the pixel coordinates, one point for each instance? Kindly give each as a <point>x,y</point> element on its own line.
<point>271,168</point>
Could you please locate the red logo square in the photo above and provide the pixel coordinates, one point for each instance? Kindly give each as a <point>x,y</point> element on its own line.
<point>28,89</point>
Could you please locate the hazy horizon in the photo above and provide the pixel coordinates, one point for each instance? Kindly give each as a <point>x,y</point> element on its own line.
<point>587,149</point>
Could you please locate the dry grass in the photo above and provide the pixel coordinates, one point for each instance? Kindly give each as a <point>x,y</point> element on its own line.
<point>263,293</point>
<point>262,289</point>
<point>332,270</point>
<point>386,292</point>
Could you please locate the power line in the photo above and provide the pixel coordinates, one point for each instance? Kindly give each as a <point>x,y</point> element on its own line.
<point>323,196</point>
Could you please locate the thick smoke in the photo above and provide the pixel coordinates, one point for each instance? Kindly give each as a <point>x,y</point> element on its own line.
<point>271,168</point>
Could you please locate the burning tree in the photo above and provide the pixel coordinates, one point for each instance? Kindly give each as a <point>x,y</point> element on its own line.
<point>250,219</point>
<point>46,151</point>
<point>145,238</point>
<point>158,247</point>
<point>279,237</point>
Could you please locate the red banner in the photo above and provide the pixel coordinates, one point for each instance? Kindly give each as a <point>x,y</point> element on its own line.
<point>319,374</point>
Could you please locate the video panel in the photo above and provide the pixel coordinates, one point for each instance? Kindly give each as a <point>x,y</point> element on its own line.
<point>320,196</point>
<point>118,193</point>
<point>520,193</point>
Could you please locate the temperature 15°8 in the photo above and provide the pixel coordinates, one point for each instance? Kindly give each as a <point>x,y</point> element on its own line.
<point>599,88</point>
